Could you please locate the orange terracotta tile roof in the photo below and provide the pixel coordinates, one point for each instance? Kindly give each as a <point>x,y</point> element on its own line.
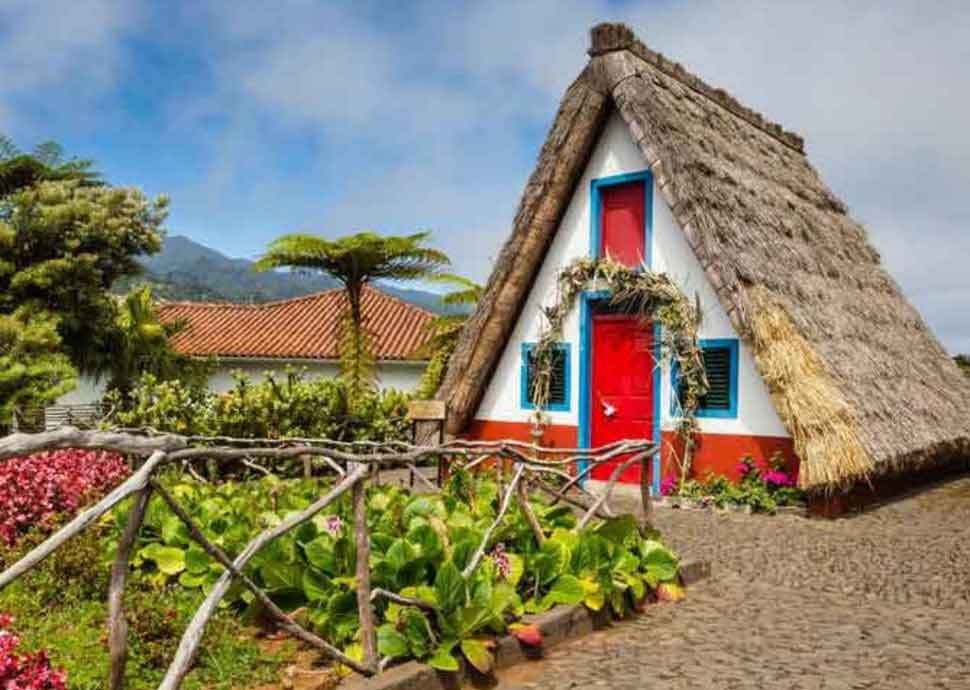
<point>299,328</point>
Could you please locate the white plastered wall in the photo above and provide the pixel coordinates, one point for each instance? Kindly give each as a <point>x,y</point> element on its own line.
<point>404,376</point>
<point>616,153</point>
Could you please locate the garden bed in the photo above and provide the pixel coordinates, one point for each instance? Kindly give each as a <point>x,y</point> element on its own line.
<point>451,572</point>
<point>761,488</point>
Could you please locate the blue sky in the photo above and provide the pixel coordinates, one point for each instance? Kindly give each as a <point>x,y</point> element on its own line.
<point>261,118</point>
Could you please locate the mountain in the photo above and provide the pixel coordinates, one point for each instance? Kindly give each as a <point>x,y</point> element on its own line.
<point>187,270</point>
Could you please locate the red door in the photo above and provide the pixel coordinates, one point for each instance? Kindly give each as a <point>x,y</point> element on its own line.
<point>622,223</point>
<point>621,386</point>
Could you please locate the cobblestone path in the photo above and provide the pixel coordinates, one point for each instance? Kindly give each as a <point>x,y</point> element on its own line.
<point>881,600</point>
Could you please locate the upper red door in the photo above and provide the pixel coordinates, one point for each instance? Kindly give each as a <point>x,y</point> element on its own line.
<point>622,223</point>
<point>621,386</point>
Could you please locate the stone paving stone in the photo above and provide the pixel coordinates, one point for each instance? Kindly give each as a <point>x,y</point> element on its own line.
<point>880,600</point>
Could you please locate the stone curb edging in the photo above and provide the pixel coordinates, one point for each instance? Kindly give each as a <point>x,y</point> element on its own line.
<point>558,625</point>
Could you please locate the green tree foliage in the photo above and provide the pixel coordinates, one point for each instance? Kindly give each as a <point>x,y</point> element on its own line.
<point>62,246</point>
<point>445,330</point>
<point>355,261</point>
<point>140,345</point>
<point>33,370</point>
<point>19,170</point>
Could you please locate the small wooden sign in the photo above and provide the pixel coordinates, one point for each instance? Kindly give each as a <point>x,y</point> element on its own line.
<point>426,410</point>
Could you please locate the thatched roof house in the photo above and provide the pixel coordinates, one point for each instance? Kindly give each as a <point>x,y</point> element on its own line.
<point>861,386</point>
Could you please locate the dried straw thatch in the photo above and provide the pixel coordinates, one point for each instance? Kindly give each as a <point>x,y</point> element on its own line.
<point>863,386</point>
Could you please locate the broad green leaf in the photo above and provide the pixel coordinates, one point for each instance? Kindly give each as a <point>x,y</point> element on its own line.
<point>320,554</point>
<point>443,659</point>
<point>550,561</point>
<point>660,564</point>
<point>197,561</point>
<point>472,618</point>
<point>426,539</point>
<point>170,560</point>
<point>192,581</point>
<point>516,568</point>
<point>566,590</point>
<point>400,554</point>
<point>279,575</point>
<point>619,530</point>
<point>419,507</point>
<point>414,626</point>
<point>174,532</point>
<point>390,642</point>
<point>316,585</point>
<point>478,652</point>
<point>450,587</point>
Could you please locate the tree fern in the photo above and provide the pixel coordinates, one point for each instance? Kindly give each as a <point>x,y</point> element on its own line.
<point>355,261</point>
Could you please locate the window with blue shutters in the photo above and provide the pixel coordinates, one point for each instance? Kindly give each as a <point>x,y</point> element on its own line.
<point>558,384</point>
<point>721,366</point>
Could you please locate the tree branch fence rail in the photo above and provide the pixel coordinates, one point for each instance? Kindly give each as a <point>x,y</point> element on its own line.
<point>353,465</point>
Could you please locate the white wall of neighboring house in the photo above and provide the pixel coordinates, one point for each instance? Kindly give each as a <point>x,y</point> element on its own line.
<point>89,390</point>
<point>400,375</point>
<point>616,153</point>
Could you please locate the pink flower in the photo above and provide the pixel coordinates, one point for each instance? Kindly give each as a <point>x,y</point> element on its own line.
<point>777,478</point>
<point>501,560</point>
<point>333,524</point>
<point>668,486</point>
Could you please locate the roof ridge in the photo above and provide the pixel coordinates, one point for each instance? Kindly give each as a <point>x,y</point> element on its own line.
<point>610,37</point>
<point>291,300</point>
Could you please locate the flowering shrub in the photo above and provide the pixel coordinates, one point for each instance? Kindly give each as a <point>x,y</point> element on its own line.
<point>762,489</point>
<point>25,671</point>
<point>34,489</point>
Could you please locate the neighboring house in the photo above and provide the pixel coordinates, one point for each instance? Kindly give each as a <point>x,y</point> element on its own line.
<point>254,339</point>
<point>301,333</point>
<point>811,349</point>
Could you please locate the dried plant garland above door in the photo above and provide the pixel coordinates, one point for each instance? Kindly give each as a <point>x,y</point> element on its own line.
<point>649,295</point>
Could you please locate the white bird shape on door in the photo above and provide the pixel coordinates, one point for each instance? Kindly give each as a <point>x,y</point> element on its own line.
<point>608,410</point>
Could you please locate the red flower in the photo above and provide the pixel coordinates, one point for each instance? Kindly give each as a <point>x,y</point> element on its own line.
<point>34,489</point>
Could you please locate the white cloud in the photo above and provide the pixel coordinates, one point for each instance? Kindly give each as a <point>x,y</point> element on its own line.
<point>49,48</point>
<point>431,113</point>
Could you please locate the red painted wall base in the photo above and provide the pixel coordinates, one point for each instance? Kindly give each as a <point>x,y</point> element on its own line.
<point>720,454</point>
<point>715,454</point>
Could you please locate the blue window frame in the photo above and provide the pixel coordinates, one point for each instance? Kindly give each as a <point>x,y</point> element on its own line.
<point>559,389</point>
<point>721,364</point>
<point>597,184</point>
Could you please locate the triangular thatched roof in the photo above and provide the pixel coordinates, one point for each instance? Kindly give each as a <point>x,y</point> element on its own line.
<point>861,383</point>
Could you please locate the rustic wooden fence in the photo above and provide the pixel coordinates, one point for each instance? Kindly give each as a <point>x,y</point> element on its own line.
<point>518,467</point>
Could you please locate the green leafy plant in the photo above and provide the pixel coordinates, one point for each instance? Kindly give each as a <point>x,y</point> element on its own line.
<point>294,406</point>
<point>420,547</point>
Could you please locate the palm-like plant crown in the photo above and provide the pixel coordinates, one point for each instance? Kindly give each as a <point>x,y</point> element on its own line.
<point>356,260</point>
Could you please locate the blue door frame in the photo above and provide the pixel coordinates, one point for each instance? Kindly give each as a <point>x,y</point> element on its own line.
<point>588,303</point>
<point>589,300</point>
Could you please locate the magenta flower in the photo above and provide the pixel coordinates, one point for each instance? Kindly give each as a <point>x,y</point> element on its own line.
<point>333,525</point>
<point>777,478</point>
<point>668,486</point>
